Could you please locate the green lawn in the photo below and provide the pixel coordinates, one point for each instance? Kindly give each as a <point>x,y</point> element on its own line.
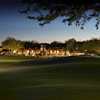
<point>72,78</point>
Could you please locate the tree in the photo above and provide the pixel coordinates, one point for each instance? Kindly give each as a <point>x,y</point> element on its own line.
<point>57,45</point>
<point>78,11</point>
<point>12,44</point>
<point>71,44</point>
<point>31,44</point>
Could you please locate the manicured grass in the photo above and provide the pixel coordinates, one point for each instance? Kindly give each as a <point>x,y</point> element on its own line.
<point>72,78</point>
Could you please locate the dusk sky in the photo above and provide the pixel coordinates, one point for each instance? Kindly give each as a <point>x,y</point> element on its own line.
<point>14,24</point>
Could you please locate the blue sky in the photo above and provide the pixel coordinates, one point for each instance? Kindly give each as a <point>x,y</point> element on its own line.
<point>13,24</point>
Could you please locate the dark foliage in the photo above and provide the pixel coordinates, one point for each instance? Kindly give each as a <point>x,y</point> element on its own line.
<point>78,11</point>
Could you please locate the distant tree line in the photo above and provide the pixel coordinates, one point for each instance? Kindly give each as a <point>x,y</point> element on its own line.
<point>88,46</point>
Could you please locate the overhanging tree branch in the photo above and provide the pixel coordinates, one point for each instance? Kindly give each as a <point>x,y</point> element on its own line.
<point>78,11</point>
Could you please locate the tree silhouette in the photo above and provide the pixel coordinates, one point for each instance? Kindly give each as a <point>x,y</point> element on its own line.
<point>57,45</point>
<point>78,11</point>
<point>12,44</point>
<point>71,44</point>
